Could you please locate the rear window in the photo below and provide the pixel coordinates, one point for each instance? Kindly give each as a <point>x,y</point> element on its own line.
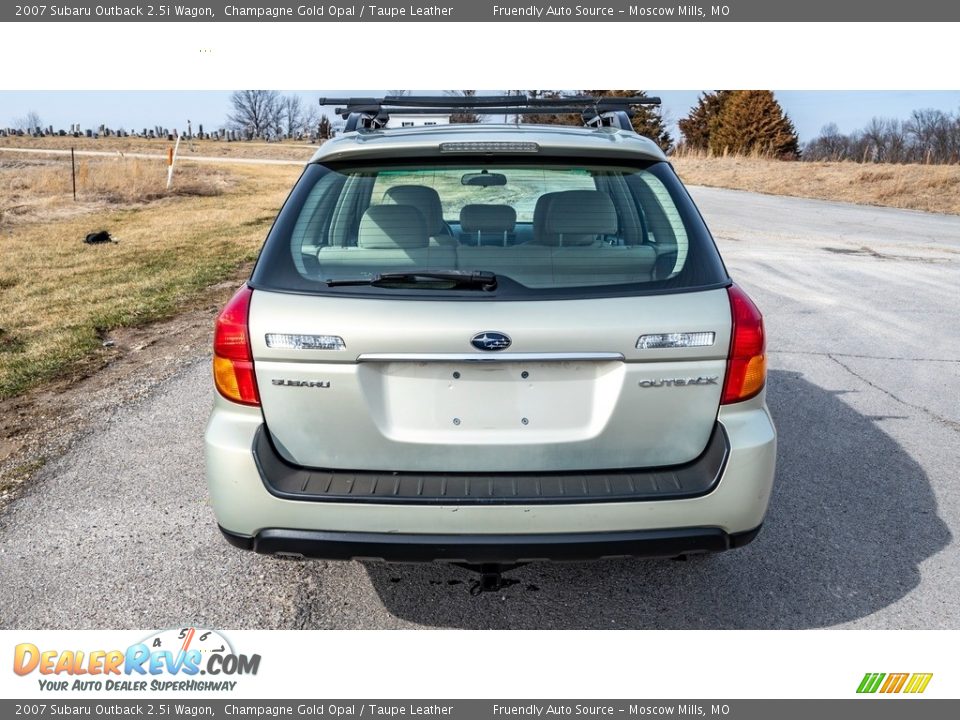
<point>550,229</point>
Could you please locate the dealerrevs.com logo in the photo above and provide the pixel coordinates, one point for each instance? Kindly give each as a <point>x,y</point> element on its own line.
<point>173,659</point>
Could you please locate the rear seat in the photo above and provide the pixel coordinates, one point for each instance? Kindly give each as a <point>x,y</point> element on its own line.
<point>528,264</point>
<point>569,248</point>
<point>572,250</point>
<point>487,225</point>
<point>390,237</point>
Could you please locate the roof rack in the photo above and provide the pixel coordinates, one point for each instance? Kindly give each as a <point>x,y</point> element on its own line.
<point>373,113</point>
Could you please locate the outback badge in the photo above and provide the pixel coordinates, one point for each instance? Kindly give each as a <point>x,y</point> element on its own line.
<point>679,382</point>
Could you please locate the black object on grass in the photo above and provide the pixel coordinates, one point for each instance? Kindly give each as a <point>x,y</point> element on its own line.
<point>95,238</point>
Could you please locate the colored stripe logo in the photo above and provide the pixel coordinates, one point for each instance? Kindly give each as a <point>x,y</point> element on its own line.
<point>912,683</point>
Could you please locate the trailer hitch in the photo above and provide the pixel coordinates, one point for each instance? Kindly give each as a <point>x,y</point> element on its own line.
<point>491,576</point>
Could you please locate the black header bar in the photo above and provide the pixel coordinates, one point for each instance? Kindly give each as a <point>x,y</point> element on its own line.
<point>484,11</point>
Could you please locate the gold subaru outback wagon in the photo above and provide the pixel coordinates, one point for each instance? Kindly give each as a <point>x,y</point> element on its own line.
<point>489,344</point>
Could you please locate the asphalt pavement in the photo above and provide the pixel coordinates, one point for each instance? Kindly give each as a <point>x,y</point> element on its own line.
<point>861,306</point>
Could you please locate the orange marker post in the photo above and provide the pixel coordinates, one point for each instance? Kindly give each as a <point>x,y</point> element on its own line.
<point>171,158</point>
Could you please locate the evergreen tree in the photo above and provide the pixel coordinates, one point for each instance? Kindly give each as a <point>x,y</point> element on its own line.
<point>752,121</point>
<point>695,127</point>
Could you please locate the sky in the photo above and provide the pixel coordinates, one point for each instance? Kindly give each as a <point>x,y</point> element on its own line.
<point>810,110</point>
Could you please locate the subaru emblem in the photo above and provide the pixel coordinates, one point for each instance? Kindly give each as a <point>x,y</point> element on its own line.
<point>491,340</point>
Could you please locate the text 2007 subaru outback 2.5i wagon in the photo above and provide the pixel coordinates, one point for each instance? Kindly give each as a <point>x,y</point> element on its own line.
<point>489,344</point>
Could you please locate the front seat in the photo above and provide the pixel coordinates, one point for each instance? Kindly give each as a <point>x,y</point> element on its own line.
<point>427,201</point>
<point>576,218</point>
<point>385,227</point>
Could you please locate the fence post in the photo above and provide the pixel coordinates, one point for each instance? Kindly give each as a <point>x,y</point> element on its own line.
<point>73,173</point>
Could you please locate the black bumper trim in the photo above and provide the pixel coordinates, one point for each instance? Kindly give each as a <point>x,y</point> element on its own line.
<point>688,480</point>
<point>401,547</point>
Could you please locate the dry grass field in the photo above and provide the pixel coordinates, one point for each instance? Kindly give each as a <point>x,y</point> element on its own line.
<point>934,188</point>
<point>59,297</point>
<point>41,190</point>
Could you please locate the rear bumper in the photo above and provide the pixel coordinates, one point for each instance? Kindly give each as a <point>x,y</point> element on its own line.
<point>479,549</point>
<point>689,480</point>
<point>360,524</point>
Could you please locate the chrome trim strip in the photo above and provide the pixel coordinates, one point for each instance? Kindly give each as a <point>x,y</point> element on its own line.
<point>491,357</point>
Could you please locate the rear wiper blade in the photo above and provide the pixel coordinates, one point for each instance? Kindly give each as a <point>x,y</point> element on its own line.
<point>461,279</point>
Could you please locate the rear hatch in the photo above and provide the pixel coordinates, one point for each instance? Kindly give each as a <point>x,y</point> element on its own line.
<point>410,392</point>
<point>583,257</point>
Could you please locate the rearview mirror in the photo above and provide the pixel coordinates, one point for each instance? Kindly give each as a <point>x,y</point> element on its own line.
<point>484,179</point>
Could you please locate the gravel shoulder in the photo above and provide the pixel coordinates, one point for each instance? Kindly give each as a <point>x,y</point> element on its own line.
<point>46,423</point>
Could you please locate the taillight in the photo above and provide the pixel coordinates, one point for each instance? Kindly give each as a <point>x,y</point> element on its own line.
<point>232,355</point>
<point>747,363</point>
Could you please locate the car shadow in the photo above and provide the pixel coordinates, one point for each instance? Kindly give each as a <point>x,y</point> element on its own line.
<point>851,518</point>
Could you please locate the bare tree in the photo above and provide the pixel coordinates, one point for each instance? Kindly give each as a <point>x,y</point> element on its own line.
<point>311,121</point>
<point>831,145</point>
<point>398,93</point>
<point>936,134</point>
<point>29,122</point>
<point>874,134</point>
<point>886,141</point>
<point>897,149</point>
<point>294,118</point>
<point>929,136</point>
<point>256,112</point>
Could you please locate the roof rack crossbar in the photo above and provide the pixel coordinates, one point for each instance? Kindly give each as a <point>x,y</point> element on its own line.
<point>486,104</point>
<point>374,113</point>
<point>570,110</point>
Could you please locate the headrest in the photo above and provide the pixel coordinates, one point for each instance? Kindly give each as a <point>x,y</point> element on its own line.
<point>392,227</point>
<point>423,198</point>
<point>540,216</point>
<point>581,212</point>
<point>487,218</point>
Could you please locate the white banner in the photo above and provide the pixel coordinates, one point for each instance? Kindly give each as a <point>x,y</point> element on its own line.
<point>470,664</point>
